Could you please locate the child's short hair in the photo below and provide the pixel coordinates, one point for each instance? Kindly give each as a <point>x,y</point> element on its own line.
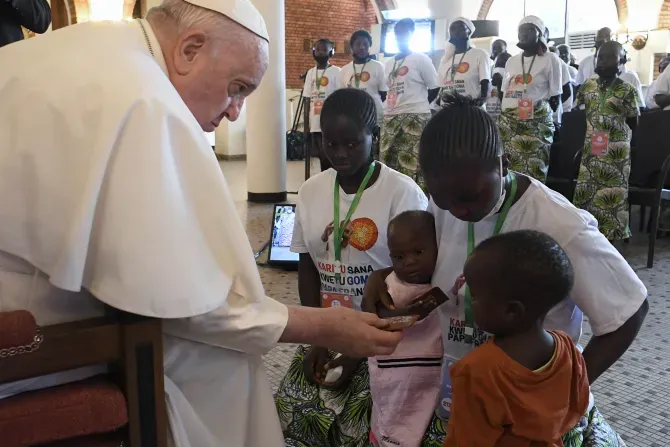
<point>527,266</point>
<point>424,219</point>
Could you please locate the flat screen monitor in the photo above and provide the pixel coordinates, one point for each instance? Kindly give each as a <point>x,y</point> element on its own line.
<point>283,220</point>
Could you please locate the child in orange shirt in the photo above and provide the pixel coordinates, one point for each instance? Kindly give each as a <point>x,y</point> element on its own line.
<point>526,386</point>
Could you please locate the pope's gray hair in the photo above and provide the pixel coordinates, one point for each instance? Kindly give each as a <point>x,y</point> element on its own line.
<point>184,16</point>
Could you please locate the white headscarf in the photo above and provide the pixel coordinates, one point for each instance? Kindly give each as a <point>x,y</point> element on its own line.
<point>450,49</point>
<point>535,20</point>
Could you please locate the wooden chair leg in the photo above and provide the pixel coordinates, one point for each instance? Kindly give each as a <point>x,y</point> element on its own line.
<point>653,232</point>
<point>643,217</point>
<point>143,377</point>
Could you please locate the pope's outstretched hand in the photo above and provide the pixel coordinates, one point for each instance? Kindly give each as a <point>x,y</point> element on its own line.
<point>352,333</point>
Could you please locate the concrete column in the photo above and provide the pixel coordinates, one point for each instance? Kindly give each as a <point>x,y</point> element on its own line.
<point>266,116</point>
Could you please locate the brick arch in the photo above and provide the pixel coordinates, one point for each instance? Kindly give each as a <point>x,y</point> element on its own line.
<point>664,16</point>
<point>621,7</point>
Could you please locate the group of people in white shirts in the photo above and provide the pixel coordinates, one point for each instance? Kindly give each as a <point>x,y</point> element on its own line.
<point>408,90</point>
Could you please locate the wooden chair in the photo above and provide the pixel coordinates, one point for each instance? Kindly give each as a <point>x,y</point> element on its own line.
<point>566,155</point>
<point>129,403</point>
<point>650,163</point>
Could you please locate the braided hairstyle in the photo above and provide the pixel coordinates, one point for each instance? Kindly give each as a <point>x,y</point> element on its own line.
<point>462,129</point>
<point>355,104</point>
<point>361,33</point>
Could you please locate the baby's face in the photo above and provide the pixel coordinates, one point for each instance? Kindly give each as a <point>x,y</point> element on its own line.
<point>413,253</point>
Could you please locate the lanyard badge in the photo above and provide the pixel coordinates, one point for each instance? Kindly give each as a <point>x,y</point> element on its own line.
<point>469,319</point>
<point>339,229</point>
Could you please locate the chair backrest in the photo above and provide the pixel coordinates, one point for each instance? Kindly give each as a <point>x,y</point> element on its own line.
<point>130,344</point>
<point>652,149</point>
<point>566,155</point>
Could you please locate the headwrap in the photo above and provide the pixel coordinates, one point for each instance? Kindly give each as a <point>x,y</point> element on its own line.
<point>240,11</point>
<point>450,49</point>
<point>539,24</point>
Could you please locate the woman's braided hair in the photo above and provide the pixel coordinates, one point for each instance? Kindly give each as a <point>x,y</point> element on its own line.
<point>355,104</point>
<point>462,129</point>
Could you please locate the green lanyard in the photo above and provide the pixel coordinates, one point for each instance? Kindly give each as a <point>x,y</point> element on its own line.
<point>523,71</point>
<point>338,230</point>
<point>453,59</point>
<point>608,95</point>
<point>357,76</point>
<point>469,319</point>
<point>394,72</point>
<point>318,79</point>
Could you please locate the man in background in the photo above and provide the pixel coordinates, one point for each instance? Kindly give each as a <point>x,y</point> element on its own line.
<point>565,56</point>
<point>653,89</point>
<point>34,15</point>
<point>587,66</point>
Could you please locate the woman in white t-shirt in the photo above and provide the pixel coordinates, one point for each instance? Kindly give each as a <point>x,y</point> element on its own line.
<point>532,89</point>
<point>464,69</point>
<point>412,82</point>
<point>364,72</point>
<point>361,196</point>
<point>470,182</point>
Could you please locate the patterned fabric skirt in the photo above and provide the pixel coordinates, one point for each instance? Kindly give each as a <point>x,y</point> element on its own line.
<point>400,143</point>
<point>315,417</point>
<point>602,188</point>
<point>528,142</point>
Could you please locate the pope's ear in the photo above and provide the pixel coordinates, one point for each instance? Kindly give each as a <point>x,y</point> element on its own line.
<point>188,49</point>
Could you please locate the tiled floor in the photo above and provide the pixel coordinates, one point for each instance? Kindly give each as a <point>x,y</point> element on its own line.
<point>634,395</point>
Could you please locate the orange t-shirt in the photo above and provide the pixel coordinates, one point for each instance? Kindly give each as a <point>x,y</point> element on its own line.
<point>497,402</point>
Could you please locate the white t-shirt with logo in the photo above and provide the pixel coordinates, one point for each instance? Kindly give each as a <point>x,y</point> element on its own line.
<point>329,80</point>
<point>545,79</point>
<point>587,68</point>
<point>372,80</point>
<point>566,106</point>
<point>606,288</point>
<point>367,251</point>
<point>633,79</point>
<point>468,75</point>
<point>408,89</point>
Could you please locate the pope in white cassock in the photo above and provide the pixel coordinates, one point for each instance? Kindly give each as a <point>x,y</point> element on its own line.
<point>110,193</point>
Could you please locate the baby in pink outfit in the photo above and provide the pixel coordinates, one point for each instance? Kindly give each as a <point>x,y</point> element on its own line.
<point>405,386</point>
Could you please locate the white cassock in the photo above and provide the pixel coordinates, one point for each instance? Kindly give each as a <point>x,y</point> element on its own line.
<point>109,188</point>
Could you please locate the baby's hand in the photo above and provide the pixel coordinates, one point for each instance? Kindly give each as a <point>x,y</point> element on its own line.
<point>374,289</point>
<point>427,303</point>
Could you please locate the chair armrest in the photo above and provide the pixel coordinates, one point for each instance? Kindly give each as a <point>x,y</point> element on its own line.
<point>64,347</point>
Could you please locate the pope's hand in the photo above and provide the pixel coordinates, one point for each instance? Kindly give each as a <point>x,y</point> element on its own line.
<point>356,334</point>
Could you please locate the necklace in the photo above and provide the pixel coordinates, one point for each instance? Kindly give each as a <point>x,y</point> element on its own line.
<point>146,37</point>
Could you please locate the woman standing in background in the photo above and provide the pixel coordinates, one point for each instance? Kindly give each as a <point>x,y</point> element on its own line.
<point>532,89</point>
<point>464,69</point>
<point>412,83</point>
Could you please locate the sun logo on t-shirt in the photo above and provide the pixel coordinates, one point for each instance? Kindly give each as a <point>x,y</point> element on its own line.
<point>463,67</point>
<point>365,76</point>
<point>324,81</point>
<point>519,79</point>
<point>364,234</point>
<point>402,71</point>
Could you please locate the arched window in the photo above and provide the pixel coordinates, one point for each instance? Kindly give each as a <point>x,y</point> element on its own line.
<point>582,15</point>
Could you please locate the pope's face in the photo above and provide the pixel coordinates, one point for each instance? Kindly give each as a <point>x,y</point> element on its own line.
<point>215,74</point>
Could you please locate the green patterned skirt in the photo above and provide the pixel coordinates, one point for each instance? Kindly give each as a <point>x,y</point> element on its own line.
<point>528,142</point>
<point>602,188</point>
<point>400,139</point>
<point>311,416</point>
